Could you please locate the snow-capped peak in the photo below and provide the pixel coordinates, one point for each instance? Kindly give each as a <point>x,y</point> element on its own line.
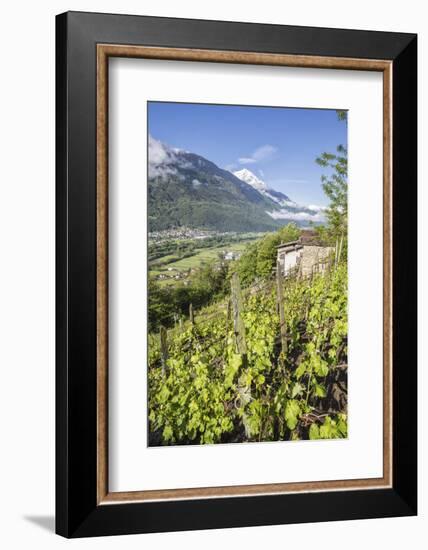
<point>250,178</point>
<point>256,183</point>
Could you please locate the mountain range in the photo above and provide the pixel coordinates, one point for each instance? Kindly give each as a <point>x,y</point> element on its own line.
<point>185,189</point>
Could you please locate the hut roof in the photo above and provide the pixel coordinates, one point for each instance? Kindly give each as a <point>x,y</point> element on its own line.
<point>292,245</point>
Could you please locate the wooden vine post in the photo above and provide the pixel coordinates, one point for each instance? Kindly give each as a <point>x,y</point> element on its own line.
<point>238,323</point>
<point>336,251</point>
<point>164,348</point>
<point>280,301</point>
<point>191,316</point>
<point>228,308</point>
<point>340,249</point>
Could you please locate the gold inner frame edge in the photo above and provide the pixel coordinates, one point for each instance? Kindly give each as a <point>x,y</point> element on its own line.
<point>104,52</point>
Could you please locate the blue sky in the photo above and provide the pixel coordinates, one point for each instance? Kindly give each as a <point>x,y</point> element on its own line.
<point>278,144</point>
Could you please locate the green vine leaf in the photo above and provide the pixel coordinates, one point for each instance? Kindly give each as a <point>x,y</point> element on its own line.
<point>292,412</point>
<point>314,432</point>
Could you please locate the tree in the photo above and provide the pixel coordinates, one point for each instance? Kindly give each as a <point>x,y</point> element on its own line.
<point>260,257</point>
<point>288,233</point>
<point>211,280</point>
<point>159,310</point>
<point>266,255</point>
<point>342,115</point>
<point>335,186</point>
<point>246,265</point>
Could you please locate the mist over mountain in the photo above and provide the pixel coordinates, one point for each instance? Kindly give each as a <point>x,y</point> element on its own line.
<point>289,210</point>
<point>185,189</point>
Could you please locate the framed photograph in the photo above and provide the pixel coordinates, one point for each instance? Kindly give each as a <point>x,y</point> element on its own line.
<point>236,274</point>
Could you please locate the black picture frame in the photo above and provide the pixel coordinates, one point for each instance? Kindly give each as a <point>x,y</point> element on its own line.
<point>77,511</point>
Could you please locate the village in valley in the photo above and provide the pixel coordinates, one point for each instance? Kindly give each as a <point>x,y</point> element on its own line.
<point>188,250</point>
<point>175,255</point>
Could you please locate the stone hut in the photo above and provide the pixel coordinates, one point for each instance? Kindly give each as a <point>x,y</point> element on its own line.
<point>289,256</point>
<point>307,255</point>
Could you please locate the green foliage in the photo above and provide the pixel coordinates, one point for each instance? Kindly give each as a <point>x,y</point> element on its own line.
<point>210,394</point>
<point>167,304</point>
<point>342,115</point>
<point>325,235</point>
<point>292,412</point>
<point>335,186</point>
<point>260,257</point>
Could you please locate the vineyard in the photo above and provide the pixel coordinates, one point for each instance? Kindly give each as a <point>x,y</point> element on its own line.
<point>267,363</point>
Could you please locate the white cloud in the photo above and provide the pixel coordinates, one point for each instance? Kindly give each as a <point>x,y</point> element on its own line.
<point>266,152</point>
<point>297,216</point>
<point>316,208</point>
<point>158,152</point>
<point>159,159</point>
<point>262,173</point>
<point>263,153</point>
<point>196,183</point>
<point>163,160</point>
<point>161,171</point>
<point>246,160</point>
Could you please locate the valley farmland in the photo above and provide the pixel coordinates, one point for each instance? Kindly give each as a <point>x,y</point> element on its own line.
<point>175,258</point>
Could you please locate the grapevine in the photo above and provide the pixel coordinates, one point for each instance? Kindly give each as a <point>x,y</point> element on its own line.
<point>209,393</point>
